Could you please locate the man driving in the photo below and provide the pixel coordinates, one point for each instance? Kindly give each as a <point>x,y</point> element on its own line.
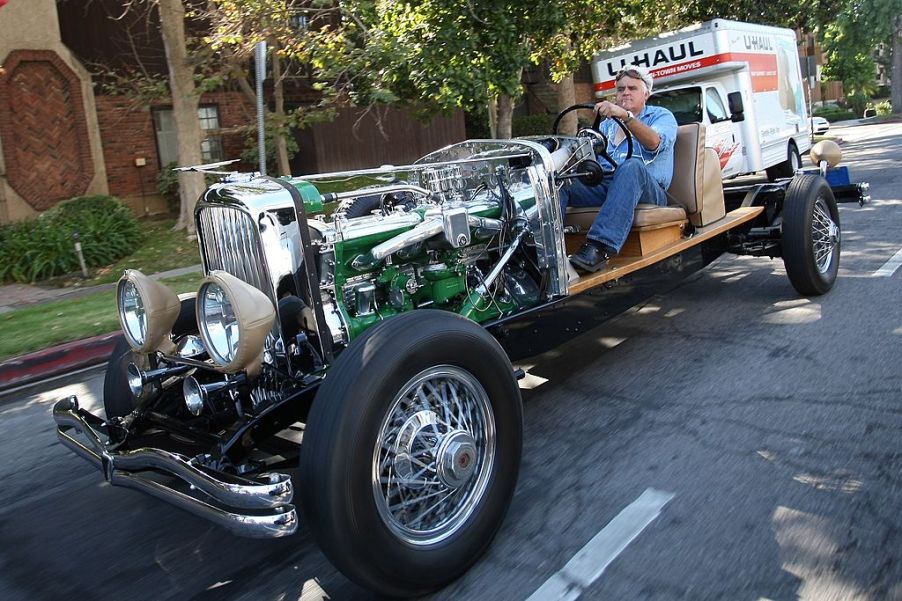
<point>645,177</point>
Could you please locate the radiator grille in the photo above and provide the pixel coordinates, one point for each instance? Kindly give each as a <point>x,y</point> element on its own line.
<point>230,243</point>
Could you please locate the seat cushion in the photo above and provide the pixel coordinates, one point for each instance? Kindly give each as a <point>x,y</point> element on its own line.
<point>645,215</point>
<point>649,214</point>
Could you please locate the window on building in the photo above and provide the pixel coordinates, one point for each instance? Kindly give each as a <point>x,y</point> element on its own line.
<point>167,144</point>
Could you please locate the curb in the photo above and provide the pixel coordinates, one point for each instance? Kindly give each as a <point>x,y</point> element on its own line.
<point>57,360</point>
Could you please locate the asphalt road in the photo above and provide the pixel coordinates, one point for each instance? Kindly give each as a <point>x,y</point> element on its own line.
<point>773,421</point>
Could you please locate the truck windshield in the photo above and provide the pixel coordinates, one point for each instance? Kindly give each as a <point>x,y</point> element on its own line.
<point>685,104</point>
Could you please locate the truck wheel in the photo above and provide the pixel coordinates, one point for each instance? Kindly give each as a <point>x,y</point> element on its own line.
<point>788,167</point>
<point>811,235</point>
<point>411,452</point>
<point>118,400</point>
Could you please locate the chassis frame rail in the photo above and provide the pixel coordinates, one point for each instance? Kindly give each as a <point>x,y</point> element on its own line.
<point>268,498</point>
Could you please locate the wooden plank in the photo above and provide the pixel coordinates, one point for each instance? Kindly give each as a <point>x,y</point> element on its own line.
<point>621,266</point>
<point>645,240</point>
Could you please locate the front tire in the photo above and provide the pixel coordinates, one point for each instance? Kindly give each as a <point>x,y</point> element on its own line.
<point>411,452</point>
<point>812,238</point>
<point>118,400</point>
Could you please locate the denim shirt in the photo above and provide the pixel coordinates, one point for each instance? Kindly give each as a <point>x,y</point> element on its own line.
<point>659,162</point>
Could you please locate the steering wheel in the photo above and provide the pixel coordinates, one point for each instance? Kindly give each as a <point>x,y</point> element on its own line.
<point>595,131</point>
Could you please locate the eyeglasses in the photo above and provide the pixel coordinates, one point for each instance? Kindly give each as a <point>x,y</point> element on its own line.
<point>627,71</point>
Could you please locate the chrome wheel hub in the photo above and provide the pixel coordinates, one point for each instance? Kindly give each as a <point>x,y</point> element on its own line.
<point>456,458</point>
<point>434,455</point>
<point>825,236</point>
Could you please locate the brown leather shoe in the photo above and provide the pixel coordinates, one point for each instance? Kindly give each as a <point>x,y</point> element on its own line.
<point>591,256</point>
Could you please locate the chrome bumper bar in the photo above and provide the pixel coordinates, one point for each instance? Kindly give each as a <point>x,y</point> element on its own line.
<point>268,496</point>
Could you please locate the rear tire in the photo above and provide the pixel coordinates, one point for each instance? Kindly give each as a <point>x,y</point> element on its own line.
<point>788,167</point>
<point>423,406</point>
<point>812,238</point>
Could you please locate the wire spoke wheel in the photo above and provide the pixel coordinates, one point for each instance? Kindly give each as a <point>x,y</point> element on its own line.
<point>411,452</point>
<point>811,240</point>
<point>824,236</point>
<point>433,455</point>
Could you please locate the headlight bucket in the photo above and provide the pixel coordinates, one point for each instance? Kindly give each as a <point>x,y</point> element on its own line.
<point>234,319</point>
<point>147,310</point>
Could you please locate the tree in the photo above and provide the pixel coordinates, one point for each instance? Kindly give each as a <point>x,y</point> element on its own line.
<point>447,54</point>
<point>185,99</point>
<point>429,56</point>
<point>130,78</point>
<point>234,29</point>
<point>850,39</point>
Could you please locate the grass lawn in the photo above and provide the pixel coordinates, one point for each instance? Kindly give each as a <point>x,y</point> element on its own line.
<point>34,328</point>
<point>163,249</point>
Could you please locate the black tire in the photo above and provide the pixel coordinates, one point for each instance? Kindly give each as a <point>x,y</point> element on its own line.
<point>788,167</point>
<point>118,400</point>
<point>349,429</point>
<point>812,238</point>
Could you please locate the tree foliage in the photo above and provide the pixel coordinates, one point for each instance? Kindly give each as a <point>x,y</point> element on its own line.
<point>850,39</point>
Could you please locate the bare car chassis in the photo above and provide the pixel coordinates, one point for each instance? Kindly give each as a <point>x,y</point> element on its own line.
<point>348,326</point>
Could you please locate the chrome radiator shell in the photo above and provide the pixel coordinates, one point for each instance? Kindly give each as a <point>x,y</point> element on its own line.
<point>249,231</point>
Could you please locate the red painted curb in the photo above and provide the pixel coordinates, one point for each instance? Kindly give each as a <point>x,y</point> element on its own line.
<point>57,360</point>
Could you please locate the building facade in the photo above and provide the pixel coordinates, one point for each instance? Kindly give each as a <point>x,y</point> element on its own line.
<point>62,135</point>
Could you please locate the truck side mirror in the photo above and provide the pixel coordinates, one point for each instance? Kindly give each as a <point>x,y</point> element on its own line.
<point>737,111</point>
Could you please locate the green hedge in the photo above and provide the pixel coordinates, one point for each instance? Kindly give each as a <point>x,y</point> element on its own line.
<point>832,113</point>
<point>43,247</point>
<point>532,125</point>
<point>884,108</point>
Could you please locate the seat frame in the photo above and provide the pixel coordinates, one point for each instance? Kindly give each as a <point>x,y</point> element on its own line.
<point>695,196</point>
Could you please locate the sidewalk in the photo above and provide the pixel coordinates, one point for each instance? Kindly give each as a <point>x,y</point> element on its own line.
<point>65,357</point>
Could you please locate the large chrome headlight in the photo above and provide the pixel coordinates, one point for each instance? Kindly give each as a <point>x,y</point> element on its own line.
<point>147,310</point>
<point>234,319</point>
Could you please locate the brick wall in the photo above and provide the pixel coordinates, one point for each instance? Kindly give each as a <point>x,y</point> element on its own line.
<point>128,134</point>
<point>47,150</point>
<point>235,114</point>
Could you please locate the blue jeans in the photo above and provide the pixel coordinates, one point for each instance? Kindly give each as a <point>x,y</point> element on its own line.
<point>617,196</point>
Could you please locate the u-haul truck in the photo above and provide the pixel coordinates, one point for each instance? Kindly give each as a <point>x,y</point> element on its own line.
<point>741,80</point>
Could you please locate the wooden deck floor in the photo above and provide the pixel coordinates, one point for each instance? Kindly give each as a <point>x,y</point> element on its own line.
<point>621,266</point>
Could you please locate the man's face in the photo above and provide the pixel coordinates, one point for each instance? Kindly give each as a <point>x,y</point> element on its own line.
<point>631,94</point>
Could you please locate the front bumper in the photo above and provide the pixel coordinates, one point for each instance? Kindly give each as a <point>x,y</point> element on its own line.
<point>259,508</point>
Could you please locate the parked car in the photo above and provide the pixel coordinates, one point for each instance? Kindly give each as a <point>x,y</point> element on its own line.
<point>349,322</point>
<point>819,125</point>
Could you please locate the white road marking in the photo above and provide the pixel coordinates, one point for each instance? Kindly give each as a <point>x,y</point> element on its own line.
<point>890,267</point>
<point>592,560</point>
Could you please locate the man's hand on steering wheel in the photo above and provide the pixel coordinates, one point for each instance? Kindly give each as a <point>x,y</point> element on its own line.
<point>596,126</point>
<point>606,109</point>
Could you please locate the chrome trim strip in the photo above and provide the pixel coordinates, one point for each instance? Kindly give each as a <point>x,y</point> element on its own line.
<point>283,522</point>
<point>273,494</point>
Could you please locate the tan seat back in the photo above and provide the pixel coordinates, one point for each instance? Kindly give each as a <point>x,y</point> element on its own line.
<point>696,183</point>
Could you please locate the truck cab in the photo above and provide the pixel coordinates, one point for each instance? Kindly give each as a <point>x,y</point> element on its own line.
<point>706,103</point>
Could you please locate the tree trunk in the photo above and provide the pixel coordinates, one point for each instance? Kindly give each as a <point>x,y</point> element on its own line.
<point>184,107</point>
<point>896,73</point>
<point>492,108</point>
<point>566,96</point>
<point>505,113</point>
<point>279,93</point>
